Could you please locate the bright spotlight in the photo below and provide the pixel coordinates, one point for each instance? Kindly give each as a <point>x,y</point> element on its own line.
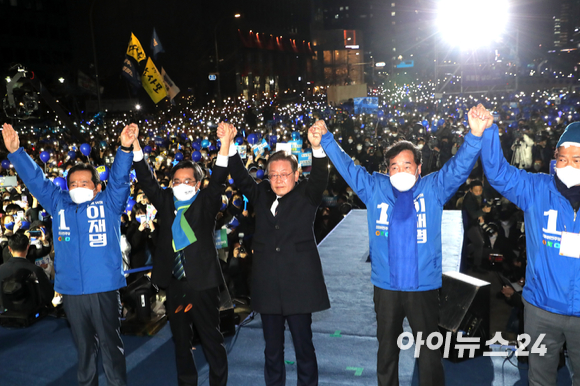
<point>469,24</point>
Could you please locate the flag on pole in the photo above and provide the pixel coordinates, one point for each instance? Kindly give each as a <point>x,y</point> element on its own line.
<point>153,82</point>
<point>135,50</point>
<point>156,46</point>
<point>172,89</point>
<point>130,72</point>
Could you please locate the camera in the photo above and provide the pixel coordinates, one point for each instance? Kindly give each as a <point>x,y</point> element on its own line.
<point>489,229</point>
<point>241,241</point>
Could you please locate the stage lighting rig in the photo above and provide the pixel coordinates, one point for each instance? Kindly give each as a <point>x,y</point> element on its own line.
<point>24,91</point>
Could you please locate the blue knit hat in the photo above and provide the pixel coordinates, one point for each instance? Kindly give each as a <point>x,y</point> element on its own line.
<point>571,135</point>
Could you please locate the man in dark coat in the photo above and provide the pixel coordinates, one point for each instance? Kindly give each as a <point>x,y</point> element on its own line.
<point>185,261</point>
<point>287,280</point>
<point>18,265</point>
<point>475,210</point>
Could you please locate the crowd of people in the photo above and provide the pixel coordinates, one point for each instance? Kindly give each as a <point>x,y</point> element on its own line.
<point>186,152</point>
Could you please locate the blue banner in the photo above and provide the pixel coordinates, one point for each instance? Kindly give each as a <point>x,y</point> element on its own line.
<point>305,159</point>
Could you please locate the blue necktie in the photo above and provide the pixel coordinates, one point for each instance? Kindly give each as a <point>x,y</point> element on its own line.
<point>178,270</point>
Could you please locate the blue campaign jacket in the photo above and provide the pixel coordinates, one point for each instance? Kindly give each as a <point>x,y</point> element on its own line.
<point>86,236</point>
<point>431,194</point>
<point>552,281</point>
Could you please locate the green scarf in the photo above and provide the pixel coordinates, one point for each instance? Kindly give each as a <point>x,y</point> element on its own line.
<point>183,235</point>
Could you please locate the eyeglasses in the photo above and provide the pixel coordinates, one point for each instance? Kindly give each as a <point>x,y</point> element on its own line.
<point>187,181</point>
<point>279,176</point>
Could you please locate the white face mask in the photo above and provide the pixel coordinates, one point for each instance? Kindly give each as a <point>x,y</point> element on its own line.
<point>80,195</point>
<point>184,192</point>
<point>403,181</point>
<point>420,146</point>
<point>569,175</point>
<point>359,147</point>
<point>350,140</point>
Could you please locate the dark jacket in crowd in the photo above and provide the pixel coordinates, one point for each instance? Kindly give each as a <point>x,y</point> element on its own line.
<point>473,208</point>
<point>16,264</point>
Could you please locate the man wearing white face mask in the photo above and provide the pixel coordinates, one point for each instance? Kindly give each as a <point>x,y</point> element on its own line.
<point>550,204</point>
<point>88,262</point>
<point>185,261</point>
<point>404,213</point>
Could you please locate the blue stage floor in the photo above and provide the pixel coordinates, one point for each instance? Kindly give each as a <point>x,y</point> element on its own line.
<point>344,337</point>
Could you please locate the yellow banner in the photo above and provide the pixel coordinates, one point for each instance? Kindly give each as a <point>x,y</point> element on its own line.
<point>135,49</point>
<point>153,82</point>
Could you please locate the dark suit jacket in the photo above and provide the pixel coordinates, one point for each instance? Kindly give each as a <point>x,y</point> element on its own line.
<point>202,267</point>
<point>14,264</point>
<point>286,270</point>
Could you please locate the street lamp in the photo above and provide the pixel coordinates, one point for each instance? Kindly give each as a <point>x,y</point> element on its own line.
<point>217,59</point>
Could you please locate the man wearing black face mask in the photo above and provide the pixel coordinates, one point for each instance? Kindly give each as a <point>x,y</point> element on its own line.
<point>185,261</point>
<point>236,207</point>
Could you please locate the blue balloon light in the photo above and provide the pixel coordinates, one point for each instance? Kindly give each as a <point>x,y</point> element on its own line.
<point>86,149</point>
<point>103,172</point>
<point>60,182</point>
<point>130,205</point>
<point>44,156</point>
<point>252,139</point>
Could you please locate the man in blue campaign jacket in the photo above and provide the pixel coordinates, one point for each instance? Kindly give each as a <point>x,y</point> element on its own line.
<point>404,218</point>
<point>88,262</point>
<point>550,204</point>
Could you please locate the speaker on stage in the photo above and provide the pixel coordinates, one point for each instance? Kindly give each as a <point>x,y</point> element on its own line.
<point>464,308</point>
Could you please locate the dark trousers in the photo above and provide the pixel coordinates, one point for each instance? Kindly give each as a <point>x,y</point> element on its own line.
<point>192,311</point>
<point>558,329</point>
<point>301,329</point>
<point>95,323</point>
<point>422,312</point>
<point>475,235</point>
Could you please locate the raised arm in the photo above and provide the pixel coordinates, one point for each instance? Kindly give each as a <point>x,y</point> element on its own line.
<point>238,171</point>
<point>220,170</point>
<point>456,171</point>
<point>31,174</point>
<point>146,178</point>
<point>119,185</point>
<point>355,176</point>
<point>514,184</point>
<point>318,180</point>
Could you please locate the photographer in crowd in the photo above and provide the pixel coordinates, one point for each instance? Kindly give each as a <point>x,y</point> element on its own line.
<point>476,209</point>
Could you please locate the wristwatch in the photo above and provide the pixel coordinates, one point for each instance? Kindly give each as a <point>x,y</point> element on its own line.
<point>129,148</point>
